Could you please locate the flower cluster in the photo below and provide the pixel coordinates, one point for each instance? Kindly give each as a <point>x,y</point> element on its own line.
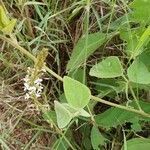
<point>32,81</point>
<point>33,88</point>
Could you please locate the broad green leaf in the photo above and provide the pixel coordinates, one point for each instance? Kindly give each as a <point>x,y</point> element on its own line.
<point>136,125</point>
<point>63,115</point>
<point>138,144</point>
<point>78,75</point>
<point>108,68</point>
<point>138,72</point>
<point>115,116</point>
<point>73,111</point>
<point>76,112</point>
<point>110,87</point>
<point>62,98</point>
<point>141,11</point>
<point>50,116</point>
<point>81,52</point>
<point>96,138</point>
<point>86,140</point>
<point>84,113</point>
<point>61,144</point>
<point>77,94</point>
<point>145,58</point>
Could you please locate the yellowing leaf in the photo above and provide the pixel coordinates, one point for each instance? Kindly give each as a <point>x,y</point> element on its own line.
<point>3,17</point>
<point>6,25</point>
<point>9,28</point>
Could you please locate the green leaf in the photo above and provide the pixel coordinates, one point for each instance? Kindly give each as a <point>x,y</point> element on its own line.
<point>145,58</point>
<point>136,125</point>
<point>84,113</point>
<point>138,144</point>
<point>109,68</point>
<point>50,116</point>
<point>63,115</point>
<point>77,94</point>
<point>138,72</point>
<point>115,116</point>
<point>96,138</point>
<point>61,144</point>
<point>78,75</point>
<point>110,87</point>
<point>81,52</point>
<point>76,112</point>
<point>141,11</point>
<point>86,139</point>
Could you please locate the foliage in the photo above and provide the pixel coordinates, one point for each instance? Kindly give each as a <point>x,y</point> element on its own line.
<point>107,57</point>
<point>82,50</point>
<point>138,143</point>
<point>109,68</point>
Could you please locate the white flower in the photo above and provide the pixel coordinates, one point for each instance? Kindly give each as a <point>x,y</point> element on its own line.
<point>33,88</point>
<point>26,86</point>
<point>43,69</point>
<point>26,79</point>
<point>27,96</point>
<point>38,81</point>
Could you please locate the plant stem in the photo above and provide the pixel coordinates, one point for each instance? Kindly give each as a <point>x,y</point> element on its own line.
<point>25,52</point>
<point>142,113</point>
